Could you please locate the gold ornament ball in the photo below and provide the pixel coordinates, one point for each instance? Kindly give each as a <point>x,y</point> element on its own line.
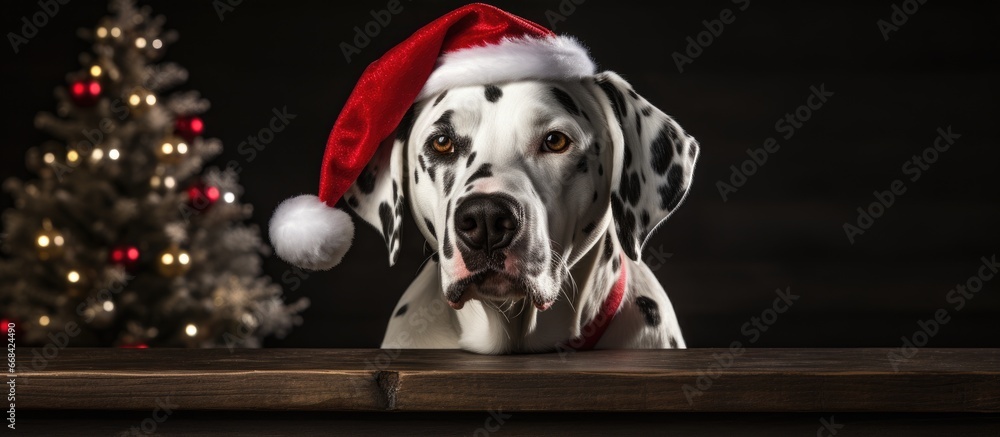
<point>140,100</point>
<point>49,243</point>
<point>173,262</point>
<point>172,150</point>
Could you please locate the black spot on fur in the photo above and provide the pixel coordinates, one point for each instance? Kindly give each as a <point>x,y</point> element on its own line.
<point>589,228</point>
<point>608,248</point>
<point>645,219</point>
<point>627,162</point>
<point>615,97</point>
<point>353,201</point>
<point>401,310</point>
<point>646,111</point>
<point>625,224</point>
<point>595,196</point>
<point>435,257</point>
<point>632,93</point>
<point>472,157</point>
<point>405,126</point>
<point>432,172</point>
<point>439,98</point>
<point>423,162</point>
<point>449,180</point>
<point>615,263</point>
<point>673,342</point>
<point>484,171</point>
<point>445,118</point>
<point>366,181</point>
<point>649,310</point>
<point>385,216</point>
<point>600,169</point>
<point>493,93</point>
<point>448,250</point>
<point>566,101</point>
<point>670,192</point>
<point>692,149</point>
<point>581,165</point>
<point>629,188</point>
<point>430,227</point>
<point>416,176</point>
<point>662,152</point>
<point>395,190</point>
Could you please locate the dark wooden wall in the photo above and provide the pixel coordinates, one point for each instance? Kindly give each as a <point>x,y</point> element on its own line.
<point>781,229</point>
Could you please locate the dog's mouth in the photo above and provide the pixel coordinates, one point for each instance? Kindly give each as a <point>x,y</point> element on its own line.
<point>495,286</point>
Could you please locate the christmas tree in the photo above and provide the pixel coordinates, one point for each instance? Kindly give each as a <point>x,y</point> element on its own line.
<point>125,234</point>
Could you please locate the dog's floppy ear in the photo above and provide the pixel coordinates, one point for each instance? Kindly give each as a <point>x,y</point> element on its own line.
<point>377,195</point>
<point>653,161</point>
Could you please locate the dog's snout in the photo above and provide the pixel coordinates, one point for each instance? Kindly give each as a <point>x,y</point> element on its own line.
<point>486,222</point>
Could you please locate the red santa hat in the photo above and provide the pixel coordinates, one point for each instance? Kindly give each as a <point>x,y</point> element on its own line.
<point>476,44</point>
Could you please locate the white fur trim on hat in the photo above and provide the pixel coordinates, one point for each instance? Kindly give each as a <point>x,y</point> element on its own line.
<point>308,233</point>
<point>557,57</point>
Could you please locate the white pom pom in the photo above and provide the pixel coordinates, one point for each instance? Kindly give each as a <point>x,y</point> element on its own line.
<point>308,233</point>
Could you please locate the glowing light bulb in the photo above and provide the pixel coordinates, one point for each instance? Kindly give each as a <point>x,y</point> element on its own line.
<point>43,320</point>
<point>140,42</point>
<point>96,71</point>
<point>43,241</point>
<point>191,330</point>
<point>113,154</point>
<point>229,197</point>
<point>73,276</point>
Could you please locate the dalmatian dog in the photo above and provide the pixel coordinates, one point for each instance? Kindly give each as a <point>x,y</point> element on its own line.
<point>537,198</point>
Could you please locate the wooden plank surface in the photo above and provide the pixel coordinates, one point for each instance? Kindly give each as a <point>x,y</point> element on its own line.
<point>757,380</point>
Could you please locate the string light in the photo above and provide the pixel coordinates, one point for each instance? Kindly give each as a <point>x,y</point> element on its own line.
<point>49,158</point>
<point>109,306</point>
<point>102,32</point>
<point>43,320</point>
<point>113,154</point>
<point>72,156</point>
<point>73,276</point>
<point>140,42</point>
<point>97,154</point>
<point>150,100</point>
<point>96,71</point>
<point>154,181</point>
<point>116,32</point>
<point>191,330</point>
<point>229,197</point>
<point>169,182</point>
<point>43,241</point>
<point>157,43</point>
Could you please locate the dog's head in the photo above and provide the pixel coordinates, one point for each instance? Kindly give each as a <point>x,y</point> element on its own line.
<point>512,183</point>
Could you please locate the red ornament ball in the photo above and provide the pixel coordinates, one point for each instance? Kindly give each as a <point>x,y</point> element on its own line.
<point>126,256</point>
<point>189,126</point>
<point>202,196</point>
<point>85,93</point>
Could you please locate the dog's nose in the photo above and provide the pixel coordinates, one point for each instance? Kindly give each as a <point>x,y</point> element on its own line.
<point>486,222</point>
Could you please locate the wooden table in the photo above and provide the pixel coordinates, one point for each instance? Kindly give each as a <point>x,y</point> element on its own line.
<point>438,392</point>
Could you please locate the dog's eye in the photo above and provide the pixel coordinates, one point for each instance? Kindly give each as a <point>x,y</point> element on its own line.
<point>442,144</point>
<point>555,142</point>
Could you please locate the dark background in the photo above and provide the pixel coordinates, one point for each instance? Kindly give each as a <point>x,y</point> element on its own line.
<point>783,228</point>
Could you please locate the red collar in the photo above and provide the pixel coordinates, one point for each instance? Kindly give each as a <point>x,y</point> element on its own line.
<point>594,330</point>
